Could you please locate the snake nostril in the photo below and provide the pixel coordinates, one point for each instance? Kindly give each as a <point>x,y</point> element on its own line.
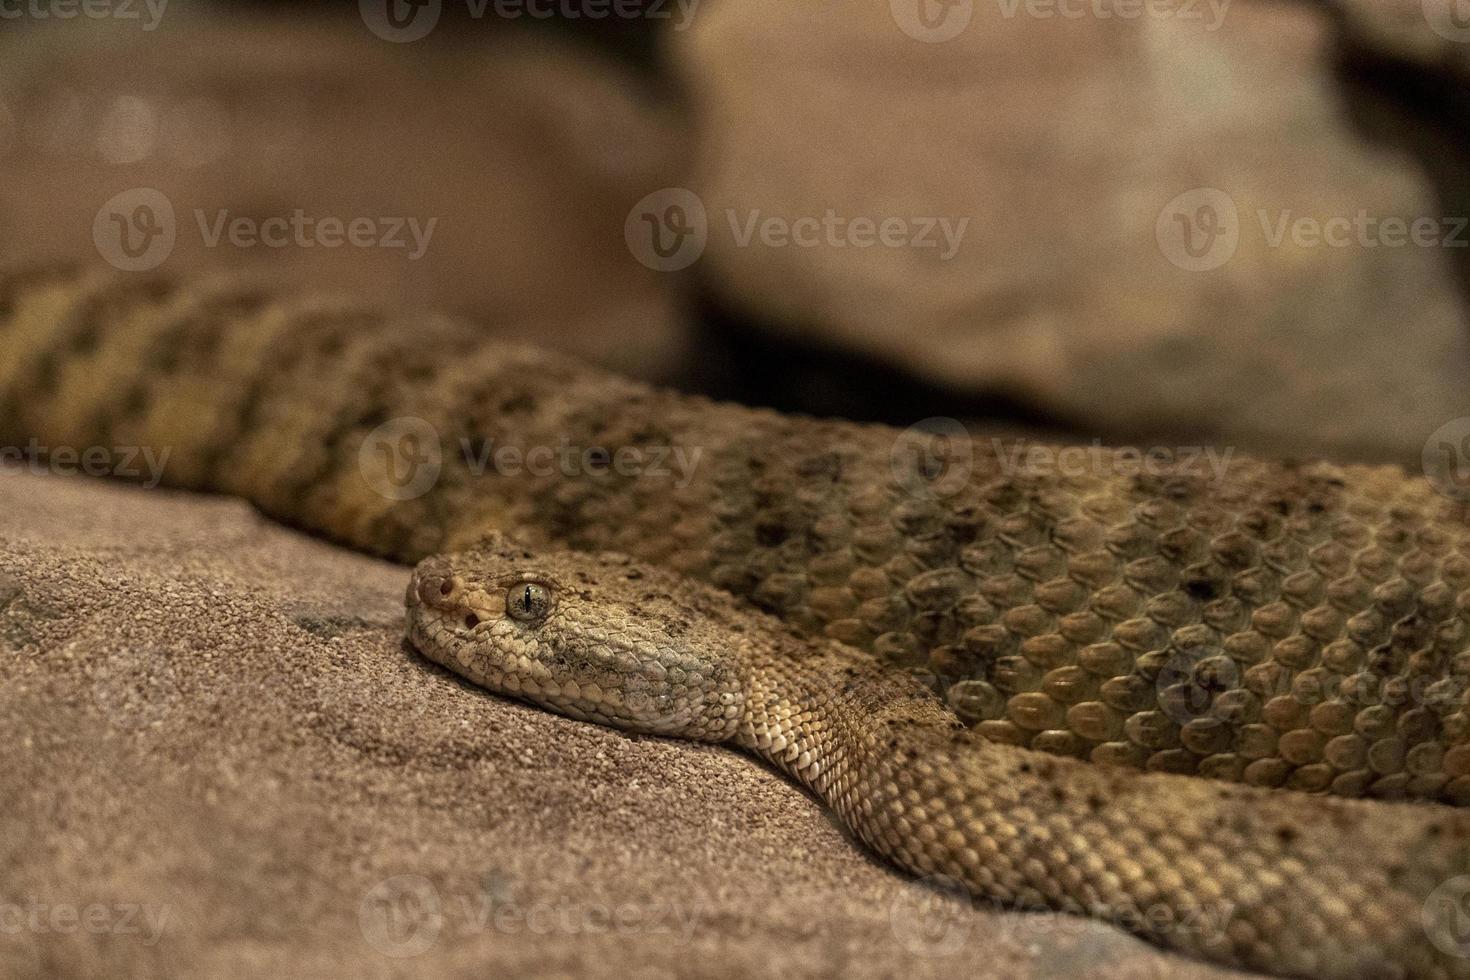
<point>435,590</point>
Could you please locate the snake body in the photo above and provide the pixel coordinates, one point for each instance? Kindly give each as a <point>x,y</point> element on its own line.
<point>1276,880</point>
<point>1286,626</point>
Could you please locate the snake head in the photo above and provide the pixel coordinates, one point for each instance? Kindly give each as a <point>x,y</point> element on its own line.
<point>593,636</point>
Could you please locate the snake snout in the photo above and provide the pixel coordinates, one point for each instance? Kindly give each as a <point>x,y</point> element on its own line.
<point>435,585</point>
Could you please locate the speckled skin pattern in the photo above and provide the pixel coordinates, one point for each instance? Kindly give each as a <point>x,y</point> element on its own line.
<point>1282,625</point>
<point>1270,879</point>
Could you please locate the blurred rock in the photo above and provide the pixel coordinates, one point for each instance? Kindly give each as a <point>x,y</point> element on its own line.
<point>1434,34</point>
<point>524,152</point>
<point>1154,220</point>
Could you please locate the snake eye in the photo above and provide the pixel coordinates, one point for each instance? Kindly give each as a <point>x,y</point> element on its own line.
<point>528,601</point>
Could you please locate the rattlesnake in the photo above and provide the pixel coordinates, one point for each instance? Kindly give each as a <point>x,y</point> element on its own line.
<point>1291,883</point>
<point>1297,626</point>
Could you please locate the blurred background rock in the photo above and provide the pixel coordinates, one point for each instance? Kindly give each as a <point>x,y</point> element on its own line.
<point>1074,153</point>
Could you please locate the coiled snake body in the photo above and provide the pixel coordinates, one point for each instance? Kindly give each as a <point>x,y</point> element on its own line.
<point>1100,636</point>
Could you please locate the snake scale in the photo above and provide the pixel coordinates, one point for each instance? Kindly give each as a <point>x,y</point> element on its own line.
<point>1093,689</point>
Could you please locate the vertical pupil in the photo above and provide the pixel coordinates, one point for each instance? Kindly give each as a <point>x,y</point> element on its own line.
<point>527,599</point>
